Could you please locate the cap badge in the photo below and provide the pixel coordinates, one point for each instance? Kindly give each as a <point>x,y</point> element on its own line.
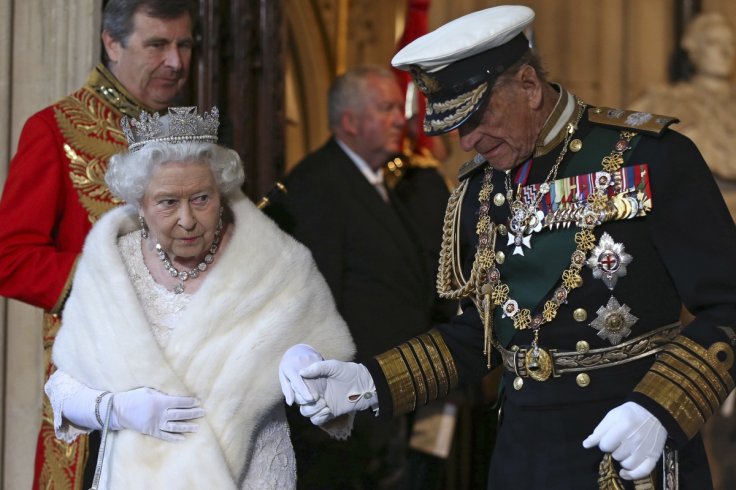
<point>426,82</point>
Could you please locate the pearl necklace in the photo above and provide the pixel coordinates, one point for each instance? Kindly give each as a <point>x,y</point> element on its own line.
<point>194,273</point>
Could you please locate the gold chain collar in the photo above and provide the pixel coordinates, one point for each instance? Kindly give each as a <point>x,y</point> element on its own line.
<point>525,218</point>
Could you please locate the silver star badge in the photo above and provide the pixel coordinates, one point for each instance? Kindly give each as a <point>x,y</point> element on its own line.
<point>609,260</point>
<point>614,321</point>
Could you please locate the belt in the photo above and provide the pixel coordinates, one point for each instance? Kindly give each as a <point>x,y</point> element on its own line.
<point>551,362</point>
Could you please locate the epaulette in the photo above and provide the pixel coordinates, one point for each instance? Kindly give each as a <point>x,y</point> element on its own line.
<point>469,167</point>
<point>643,122</point>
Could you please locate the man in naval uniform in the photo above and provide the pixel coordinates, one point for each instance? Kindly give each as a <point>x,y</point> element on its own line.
<point>573,240</point>
<point>55,188</point>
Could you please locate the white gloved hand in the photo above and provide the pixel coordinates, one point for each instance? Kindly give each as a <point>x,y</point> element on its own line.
<point>79,408</point>
<point>348,388</point>
<point>292,385</point>
<point>144,410</point>
<point>633,436</point>
<point>151,412</point>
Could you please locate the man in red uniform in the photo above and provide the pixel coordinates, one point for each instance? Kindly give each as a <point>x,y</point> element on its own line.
<point>55,188</point>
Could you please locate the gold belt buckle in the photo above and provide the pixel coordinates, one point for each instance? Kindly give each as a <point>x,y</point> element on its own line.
<point>539,367</point>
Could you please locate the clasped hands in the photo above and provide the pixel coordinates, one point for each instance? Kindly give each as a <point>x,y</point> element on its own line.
<point>323,389</point>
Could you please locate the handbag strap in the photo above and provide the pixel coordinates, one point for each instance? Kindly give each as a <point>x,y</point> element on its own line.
<point>103,441</point>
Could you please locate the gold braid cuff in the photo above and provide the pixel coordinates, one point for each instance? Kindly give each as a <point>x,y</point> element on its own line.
<point>418,371</point>
<point>690,381</point>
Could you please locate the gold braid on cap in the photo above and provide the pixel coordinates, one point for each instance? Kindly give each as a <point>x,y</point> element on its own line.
<point>179,125</point>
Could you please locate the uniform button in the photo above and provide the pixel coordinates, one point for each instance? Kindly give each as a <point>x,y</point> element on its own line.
<point>582,347</point>
<point>500,257</point>
<point>514,348</point>
<point>499,199</point>
<point>518,383</point>
<point>502,230</point>
<point>580,314</point>
<point>582,380</point>
<point>576,145</point>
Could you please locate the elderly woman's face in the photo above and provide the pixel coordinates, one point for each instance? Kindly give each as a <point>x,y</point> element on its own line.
<point>181,206</point>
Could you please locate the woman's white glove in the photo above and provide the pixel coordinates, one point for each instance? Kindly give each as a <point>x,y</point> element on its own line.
<point>79,408</point>
<point>143,410</point>
<point>348,387</point>
<point>157,414</point>
<point>292,385</point>
<point>633,436</point>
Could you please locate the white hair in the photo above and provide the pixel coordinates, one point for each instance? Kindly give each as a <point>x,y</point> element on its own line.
<point>128,174</point>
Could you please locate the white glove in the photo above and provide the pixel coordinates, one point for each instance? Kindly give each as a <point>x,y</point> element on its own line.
<point>157,414</point>
<point>143,410</point>
<point>633,436</point>
<point>292,385</point>
<point>349,387</point>
<point>79,408</point>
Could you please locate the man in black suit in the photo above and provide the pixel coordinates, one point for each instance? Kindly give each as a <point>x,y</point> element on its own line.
<point>367,246</point>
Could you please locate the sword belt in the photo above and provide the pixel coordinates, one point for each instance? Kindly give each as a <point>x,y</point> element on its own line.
<point>551,362</point>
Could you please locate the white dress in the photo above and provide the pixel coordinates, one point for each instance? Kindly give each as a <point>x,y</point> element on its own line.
<point>271,464</point>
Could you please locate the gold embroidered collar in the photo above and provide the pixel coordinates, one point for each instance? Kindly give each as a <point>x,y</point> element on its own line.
<point>103,82</point>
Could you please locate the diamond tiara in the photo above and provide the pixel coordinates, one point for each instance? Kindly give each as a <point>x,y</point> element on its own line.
<point>179,125</point>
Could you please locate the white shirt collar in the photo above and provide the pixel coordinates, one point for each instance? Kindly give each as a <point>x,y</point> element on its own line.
<point>374,177</point>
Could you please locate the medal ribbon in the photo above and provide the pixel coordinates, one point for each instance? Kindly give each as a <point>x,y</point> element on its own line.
<point>571,191</point>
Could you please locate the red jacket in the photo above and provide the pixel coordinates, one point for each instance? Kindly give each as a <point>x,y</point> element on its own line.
<point>54,192</point>
<point>55,189</point>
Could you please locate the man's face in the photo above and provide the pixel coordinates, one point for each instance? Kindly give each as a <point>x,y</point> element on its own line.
<point>379,123</point>
<point>503,132</point>
<point>154,64</point>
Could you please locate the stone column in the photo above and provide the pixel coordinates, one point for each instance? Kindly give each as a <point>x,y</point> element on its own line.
<point>47,48</point>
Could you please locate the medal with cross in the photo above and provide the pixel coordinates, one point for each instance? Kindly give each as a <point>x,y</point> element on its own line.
<point>608,260</point>
<point>525,220</point>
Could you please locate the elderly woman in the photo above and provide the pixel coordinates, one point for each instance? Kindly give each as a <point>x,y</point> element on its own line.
<point>183,303</point>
